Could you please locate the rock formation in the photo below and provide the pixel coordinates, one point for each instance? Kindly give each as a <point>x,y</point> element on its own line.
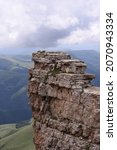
<point>65,106</point>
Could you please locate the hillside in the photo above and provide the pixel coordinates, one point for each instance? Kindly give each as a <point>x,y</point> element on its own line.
<point>14,138</point>
<point>13,90</point>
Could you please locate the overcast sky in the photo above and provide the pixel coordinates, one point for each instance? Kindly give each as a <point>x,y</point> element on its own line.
<point>48,24</point>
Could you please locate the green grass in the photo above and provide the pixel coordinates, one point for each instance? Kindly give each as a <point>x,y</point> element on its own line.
<point>6,130</point>
<point>16,139</point>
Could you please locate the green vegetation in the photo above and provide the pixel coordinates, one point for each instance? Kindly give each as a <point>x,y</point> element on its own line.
<point>6,130</point>
<point>12,138</point>
<point>55,70</point>
<point>52,72</point>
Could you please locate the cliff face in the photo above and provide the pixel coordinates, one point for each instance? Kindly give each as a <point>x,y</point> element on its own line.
<point>65,106</point>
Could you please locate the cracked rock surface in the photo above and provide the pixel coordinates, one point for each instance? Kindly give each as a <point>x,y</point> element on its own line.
<point>65,105</point>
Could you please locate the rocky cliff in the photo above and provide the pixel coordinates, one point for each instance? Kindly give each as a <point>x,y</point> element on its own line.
<point>65,106</point>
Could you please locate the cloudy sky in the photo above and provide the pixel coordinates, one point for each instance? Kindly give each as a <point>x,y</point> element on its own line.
<point>69,24</point>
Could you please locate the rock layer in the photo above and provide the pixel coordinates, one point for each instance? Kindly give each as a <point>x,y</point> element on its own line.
<point>65,105</point>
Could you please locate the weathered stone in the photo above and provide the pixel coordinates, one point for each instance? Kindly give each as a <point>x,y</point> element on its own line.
<point>70,80</point>
<point>91,112</point>
<point>71,66</point>
<point>52,139</point>
<point>49,57</point>
<point>33,85</point>
<point>65,105</point>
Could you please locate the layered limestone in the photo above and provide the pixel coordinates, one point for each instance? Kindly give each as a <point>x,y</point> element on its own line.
<point>65,105</point>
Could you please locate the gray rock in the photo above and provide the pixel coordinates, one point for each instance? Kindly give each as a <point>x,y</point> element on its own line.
<point>65,105</point>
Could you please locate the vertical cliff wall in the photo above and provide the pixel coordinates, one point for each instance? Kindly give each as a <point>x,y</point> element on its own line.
<point>65,106</point>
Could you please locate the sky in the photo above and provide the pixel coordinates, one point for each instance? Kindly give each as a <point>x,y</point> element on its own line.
<point>49,24</point>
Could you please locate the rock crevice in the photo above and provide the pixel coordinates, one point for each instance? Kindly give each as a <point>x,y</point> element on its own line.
<point>65,105</point>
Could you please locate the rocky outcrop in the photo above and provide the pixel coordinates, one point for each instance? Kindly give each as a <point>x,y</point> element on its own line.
<point>65,106</point>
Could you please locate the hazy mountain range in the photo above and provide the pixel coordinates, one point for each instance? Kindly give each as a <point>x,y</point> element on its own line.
<point>13,89</point>
<point>14,78</point>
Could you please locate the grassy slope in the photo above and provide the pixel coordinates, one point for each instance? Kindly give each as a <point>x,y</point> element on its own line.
<point>16,139</point>
<point>6,130</point>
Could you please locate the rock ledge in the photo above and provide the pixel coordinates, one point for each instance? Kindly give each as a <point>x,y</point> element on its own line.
<point>65,105</point>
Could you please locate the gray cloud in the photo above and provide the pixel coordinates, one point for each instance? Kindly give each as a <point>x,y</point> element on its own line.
<point>44,37</point>
<point>48,23</point>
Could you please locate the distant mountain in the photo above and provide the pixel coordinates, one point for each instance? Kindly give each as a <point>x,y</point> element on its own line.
<point>13,90</point>
<point>16,137</point>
